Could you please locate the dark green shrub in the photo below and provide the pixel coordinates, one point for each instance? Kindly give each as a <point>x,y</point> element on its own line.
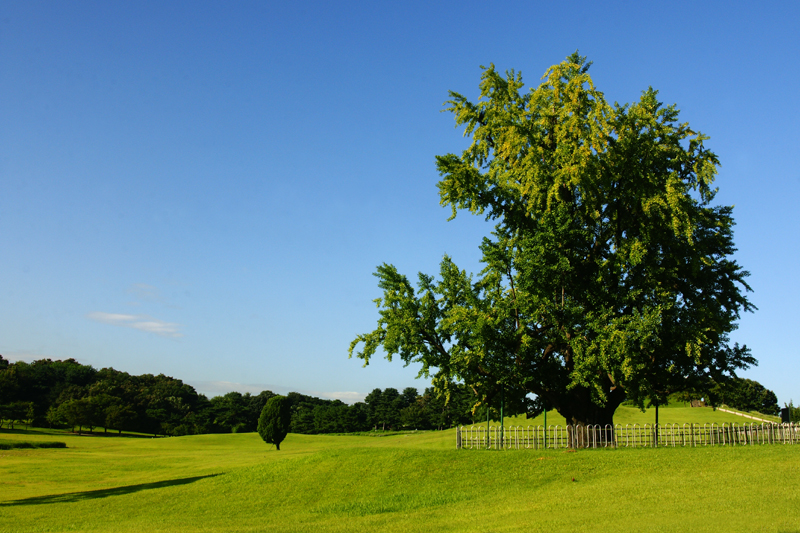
<point>51,445</point>
<point>23,445</point>
<point>273,424</point>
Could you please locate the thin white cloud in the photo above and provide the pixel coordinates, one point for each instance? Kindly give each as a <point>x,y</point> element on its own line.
<point>346,396</point>
<point>146,292</point>
<point>27,356</point>
<point>140,322</point>
<point>218,388</point>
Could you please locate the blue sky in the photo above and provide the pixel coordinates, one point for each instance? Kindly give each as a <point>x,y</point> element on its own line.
<point>204,189</point>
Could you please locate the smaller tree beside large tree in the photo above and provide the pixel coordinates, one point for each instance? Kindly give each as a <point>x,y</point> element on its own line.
<point>273,424</point>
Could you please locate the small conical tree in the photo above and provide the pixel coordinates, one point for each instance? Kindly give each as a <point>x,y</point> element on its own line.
<point>273,424</point>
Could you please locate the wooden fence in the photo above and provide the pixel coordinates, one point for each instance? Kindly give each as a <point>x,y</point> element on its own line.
<point>627,436</point>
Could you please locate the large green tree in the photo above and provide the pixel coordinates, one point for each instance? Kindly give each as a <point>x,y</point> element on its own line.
<point>608,274</point>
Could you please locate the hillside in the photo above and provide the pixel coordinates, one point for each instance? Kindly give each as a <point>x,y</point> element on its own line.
<point>671,414</point>
<point>407,482</point>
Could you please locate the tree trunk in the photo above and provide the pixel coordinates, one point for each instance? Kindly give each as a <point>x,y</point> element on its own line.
<point>278,447</point>
<point>592,424</point>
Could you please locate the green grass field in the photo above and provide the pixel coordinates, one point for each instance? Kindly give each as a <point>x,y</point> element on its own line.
<point>405,482</point>
<point>670,414</point>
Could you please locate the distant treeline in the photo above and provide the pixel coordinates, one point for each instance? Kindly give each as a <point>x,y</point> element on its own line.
<point>739,393</point>
<point>385,409</point>
<point>67,394</point>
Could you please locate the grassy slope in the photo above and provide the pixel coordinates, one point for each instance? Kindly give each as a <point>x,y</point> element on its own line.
<point>396,483</point>
<point>671,414</point>
<point>773,418</point>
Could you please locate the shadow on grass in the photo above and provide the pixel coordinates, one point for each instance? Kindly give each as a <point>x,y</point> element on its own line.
<point>102,493</point>
<point>64,432</point>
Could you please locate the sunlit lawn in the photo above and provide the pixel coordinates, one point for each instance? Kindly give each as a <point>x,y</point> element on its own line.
<point>412,482</point>
<point>673,414</point>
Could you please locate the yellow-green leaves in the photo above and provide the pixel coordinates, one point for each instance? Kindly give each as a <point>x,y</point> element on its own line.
<point>608,273</point>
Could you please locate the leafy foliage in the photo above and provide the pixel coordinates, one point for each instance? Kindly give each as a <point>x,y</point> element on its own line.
<point>747,395</point>
<point>794,412</point>
<point>67,394</point>
<point>608,274</point>
<point>273,424</point>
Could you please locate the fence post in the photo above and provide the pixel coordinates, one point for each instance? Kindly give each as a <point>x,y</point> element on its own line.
<point>487,424</point>
<point>656,427</point>
<point>578,436</point>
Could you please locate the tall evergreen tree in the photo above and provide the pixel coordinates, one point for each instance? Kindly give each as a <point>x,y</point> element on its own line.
<point>275,419</point>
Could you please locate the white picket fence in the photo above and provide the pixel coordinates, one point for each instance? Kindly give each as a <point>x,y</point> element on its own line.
<point>627,436</point>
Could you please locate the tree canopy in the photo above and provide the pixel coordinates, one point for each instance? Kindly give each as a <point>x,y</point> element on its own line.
<point>69,394</point>
<point>608,274</point>
<point>747,395</point>
<point>275,419</point>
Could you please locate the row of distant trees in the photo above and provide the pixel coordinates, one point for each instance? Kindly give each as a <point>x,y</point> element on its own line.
<point>386,409</point>
<point>739,393</point>
<point>748,395</point>
<point>69,394</point>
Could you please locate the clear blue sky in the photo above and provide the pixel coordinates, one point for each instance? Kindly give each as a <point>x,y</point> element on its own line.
<point>204,189</point>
